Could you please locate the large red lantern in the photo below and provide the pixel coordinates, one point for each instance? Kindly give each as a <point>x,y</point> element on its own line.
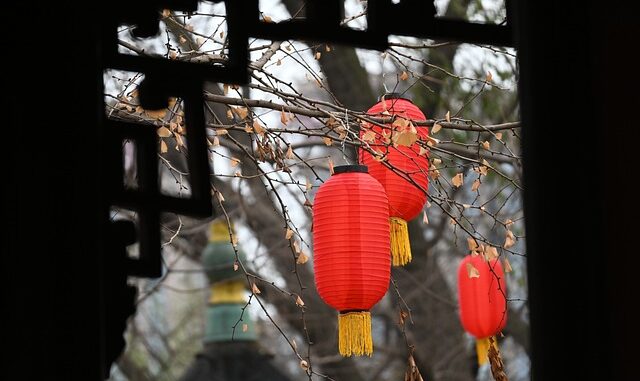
<point>482,292</point>
<point>406,184</point>
<point>351,252</point>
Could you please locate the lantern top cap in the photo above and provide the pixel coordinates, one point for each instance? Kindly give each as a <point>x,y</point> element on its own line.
<point>350,168</point>
<point>394,96</point>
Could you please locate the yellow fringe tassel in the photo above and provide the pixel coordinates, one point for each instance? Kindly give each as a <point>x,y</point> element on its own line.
<point>354,334</point>
<point>400,246</point>
<point>482,349</point>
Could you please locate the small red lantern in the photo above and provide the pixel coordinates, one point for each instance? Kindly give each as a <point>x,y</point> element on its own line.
<point>351,252</point>
<point>407,186</point>
<point>482,292</point>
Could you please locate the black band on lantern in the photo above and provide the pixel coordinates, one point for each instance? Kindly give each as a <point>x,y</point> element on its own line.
<point>394,96</point>
<point>349,311</point>
<point>350,168</point>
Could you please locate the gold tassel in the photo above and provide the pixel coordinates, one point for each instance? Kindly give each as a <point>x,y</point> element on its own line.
<point>354,334</point>
<point>482,349</point>
<point>400,246</point>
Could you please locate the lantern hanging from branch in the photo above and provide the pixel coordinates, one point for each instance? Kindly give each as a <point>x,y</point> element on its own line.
<point>405,179</point>
<point>482,295</point>
<point>351,252</point>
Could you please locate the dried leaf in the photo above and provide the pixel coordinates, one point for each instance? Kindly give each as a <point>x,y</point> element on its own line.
<point>166,13</point>
<point>308,185</point>
<point>221,131</point>
<point>257,127</point>
<point>436,161</point>
<point>436,127</point>
<point>369,136</point>
<point>245,327</point>
<point>302,259</point>
<point>497,366</point>
<point>425,219</point>
<point>403,317</point>
<point>278,62</point>
<point>405,138</point>
<point>412,373</point>
<point>472,244</point>
<point>221,34</point>
<point>156,114</point>
<point>284,118</point>
<point>486,145</point>
<point>164,132</point>
<point>304,364</point>
<point>317,55</point>
<point>267,18</point>
<point>220,197</point>
<point>508,223</point>
<point>327,48</point>
<point>299,301</point>
<point>404,76</point>
<point>507,266</point>
<point>476,185</point>
<point>452,221</point>
<point>229,114</point>
<point>296,247</point>
<point>288,234</point>
<point>434,173</point>
<point>163,147</point>
<point>216,141</point>
<point>489,77</point>
<point>327,141</point>
<point>308,203</point>
<point>241,112</point>
<point>289,154</point>
<point>423,151</point>
<point>457,180</point>
<point>234,162</point>
<point>173,55</point>
<point>254,288</point>
<point>499,136</point>
<point>490,253</point>
<point>472,272</point>
<point>225,89</point>
<point>236,265</point>
<point>182,40</point>
<point>179,141</point>
<point>509,240</point>
<point>447,116</point>
<point>330,166</point>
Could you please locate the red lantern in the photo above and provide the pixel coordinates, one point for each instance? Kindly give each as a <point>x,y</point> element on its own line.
<point>351,252</point>
<point>406,188</point>
<point>482,292</point>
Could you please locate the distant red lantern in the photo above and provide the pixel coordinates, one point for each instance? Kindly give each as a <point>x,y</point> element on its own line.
<point>406,188</point>
<point>482,291</point>
<point>351,252</point>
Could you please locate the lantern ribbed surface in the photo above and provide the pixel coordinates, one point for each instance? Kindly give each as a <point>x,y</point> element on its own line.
<point>351,252</point>
<point>406,190</point>
<point>483,299</point>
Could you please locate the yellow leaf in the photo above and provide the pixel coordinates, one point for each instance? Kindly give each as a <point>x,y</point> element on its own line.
<point>164,132</point>
<point>302,259</point>
<point>404,76</point>
<point>457,180</point>
<point>472,244</point>
<point>254,288</point>
<point>401,123</point>
<point>507,266</point>
<point>235,162</point>
<point>369,136</point>
<point>448,116</point>
<point>288,234</point>
<point>257,127</point>
<point>163,147</point>
<point>289,154</point>
<point>425,219</point>
<point>486,145</point>
<point>245,327</point>
<point>499,136</point>
<point>472,272</point>
<point>317,55</point>
<point>327,141</point>
<point>283,117</point>
<point>436,128</point>
<point>476,185</point>
<point>436,161</point>
<point>330,166</point>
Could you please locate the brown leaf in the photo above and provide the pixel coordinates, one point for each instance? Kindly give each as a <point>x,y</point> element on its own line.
<point>404,76</point>
<point>163,147</point>
<point>403,316</point>
<point>434,173</point>
<point>296,247</point>
<point>486,145</point>
<point>499,136</point>
<point>447,116</point>
<point>508,223</point>
<point>405,138</point>
<point>330,166</point>
<point>278,62</point>
<point>302,258</point>
<point>284,118</point>
<point>507,266</point>
<point>229,114</point>
<point>307,185</point>
<point>235,162</point>
<point>472,244</point>
<point>299,301</point>
<point>509,240</point>
<point>472,272</point>
<point>490,253</point>
<point>258,128</point>
<point>254,288</point>
<point>216,141</point>
<point>225,89</point>
<point>369,136</point>
<point>241,112</point>
<point>412,373</point>
<point>476,185</point>
<point>288,234</point>
<point>317,55</point>
<point>436,161</point>
<point>236,265</point>
<point>489,77</point>
<point>245,327</point>
<point>327,141</point>
<point>497,366</point>
<point>267,18</point>
<point>166,13</point>
<point>304,364</point>
<point>457,180</point>
<point>289,154</point>
<point>164,132</point>
<point>221,131</point>
<point>425,219</point>
<point>436,127</point>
